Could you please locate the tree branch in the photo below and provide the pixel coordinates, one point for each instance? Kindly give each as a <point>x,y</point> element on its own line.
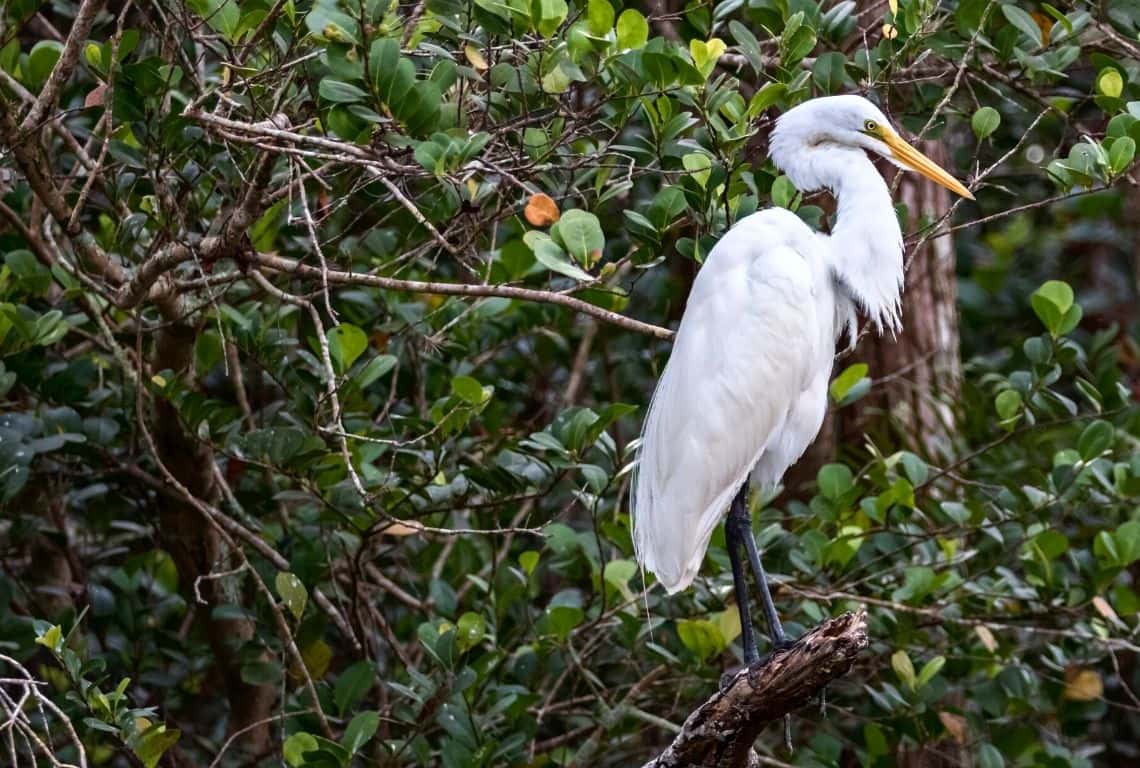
<point>721,731</point>
<point>80,30</point>
<point>288,266</point>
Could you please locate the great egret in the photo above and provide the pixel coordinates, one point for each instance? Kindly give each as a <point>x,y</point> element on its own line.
<point>745,389</point>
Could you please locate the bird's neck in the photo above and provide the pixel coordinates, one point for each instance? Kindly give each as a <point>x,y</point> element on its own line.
<point>866,242</point>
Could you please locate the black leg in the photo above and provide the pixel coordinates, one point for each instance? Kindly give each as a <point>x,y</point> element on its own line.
<point>740,520</point>
<point>735,544</point>
<point>738,533</point>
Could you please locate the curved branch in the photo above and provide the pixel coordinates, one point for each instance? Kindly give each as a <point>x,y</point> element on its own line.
<point>720,732</point>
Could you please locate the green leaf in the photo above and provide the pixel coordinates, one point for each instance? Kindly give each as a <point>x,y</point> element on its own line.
<point>1024,22</point>
<point>600,17</point>
<point>383,58</point>
<point>632,29</point>
<point>263,232</point>
<point>784,192</point>
<point>51,638</point>
<point>1110,83</point>
<point>1127,542</point>
<point>990,757</point>
<point>829,72</point>
<point>834,480</point>
<point>346,344</point>
<point>563,619</point>
<point>797,40</point>
<point>1051,302</point>
<point>93,54</point>
<point>985,121</point>
<point>580,234</point>
<point>353,685</point>
<point>901,664</point>
<point>376,368</point>
<point>1095,439</point>
<point>470,630</point>
<point>154,742</point>
<point>360,731</point>
<point>548,15</point>
<point>468,389</point>
<point>929,670</point>
<point>918,582</point>
<point>617,574</point>
<point>706,54</point>
<point>33,277</point>
<point>41,61</point>
<point>296,746</point>
<point>701,636</point>
<point>699,166</point>
<point>1120,154</point>
<point>222,16</point>
<point>550,255</point>
<point>292,592</point>
<point>1007,403</point>
<point>340,92</point>
<point>845,381</point>
<point>327,21</point>
<point>766,97</point>
<point>528,560</point>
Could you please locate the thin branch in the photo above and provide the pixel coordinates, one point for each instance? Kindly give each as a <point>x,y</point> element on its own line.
<point>64,66</point>
<point>288,266</point>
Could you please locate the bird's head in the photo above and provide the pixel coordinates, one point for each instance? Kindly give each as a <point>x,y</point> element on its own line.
<point>846,122</point>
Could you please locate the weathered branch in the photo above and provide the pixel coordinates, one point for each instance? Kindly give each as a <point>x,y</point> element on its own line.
<point>721,731</point>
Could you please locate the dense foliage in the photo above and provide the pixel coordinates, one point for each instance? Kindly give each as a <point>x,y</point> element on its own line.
<point>320,380</point>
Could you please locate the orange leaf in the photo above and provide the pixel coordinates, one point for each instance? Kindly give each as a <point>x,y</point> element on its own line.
<point>399,529</point>
<point>95,96</point>
<point>1044,23</point>
<point>1083,684</point>
<point>541,210</point>
<point>1104,609</point>
<point>955,726</point>
<point>475,56</point>
<point>987,637</point>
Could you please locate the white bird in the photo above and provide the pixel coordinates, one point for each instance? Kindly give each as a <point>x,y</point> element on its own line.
<point>745,389</point>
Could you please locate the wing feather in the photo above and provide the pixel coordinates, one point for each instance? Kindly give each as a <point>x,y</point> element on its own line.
<point>745,352</point>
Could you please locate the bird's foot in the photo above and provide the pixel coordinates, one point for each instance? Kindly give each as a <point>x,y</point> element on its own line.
<point>782,645</point>
<point>729,675</point>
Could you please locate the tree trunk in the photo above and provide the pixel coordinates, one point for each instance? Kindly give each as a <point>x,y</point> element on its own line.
<point>198,549</point>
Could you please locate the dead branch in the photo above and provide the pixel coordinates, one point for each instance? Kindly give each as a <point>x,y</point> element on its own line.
<point>721,731</point>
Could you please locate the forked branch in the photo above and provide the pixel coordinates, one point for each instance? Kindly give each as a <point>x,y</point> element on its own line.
<point>721,731</point>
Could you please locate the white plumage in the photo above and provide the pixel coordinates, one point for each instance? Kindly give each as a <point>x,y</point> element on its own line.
<point>745,389</point>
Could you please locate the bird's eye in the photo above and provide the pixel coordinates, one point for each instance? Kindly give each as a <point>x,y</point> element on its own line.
<point>870,126</point>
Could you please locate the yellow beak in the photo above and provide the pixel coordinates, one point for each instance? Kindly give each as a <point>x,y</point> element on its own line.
<point>916,161</point>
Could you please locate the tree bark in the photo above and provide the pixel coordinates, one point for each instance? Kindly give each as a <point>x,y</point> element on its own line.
<point>721,731</point>
<point>198,550</point>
